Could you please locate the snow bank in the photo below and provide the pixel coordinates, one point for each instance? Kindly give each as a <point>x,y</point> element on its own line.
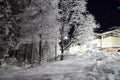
<point>91,66</point>
<point>59,70</point>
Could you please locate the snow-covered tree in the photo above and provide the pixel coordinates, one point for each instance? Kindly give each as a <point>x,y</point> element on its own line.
<point>64,7</point>
<point>85,32</point>
<point>9,31</point>
<point>39,24</point>
<point>73,13</point>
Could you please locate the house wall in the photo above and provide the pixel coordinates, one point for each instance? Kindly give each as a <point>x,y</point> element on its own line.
<point>115,42</point>
<point>109,50</point>
<point>110,44</point>
<point>106,42</point>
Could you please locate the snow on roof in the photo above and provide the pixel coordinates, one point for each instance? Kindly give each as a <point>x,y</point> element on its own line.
<point>111,30</point>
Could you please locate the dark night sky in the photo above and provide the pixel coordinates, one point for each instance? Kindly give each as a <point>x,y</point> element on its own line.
<point>105,12</point>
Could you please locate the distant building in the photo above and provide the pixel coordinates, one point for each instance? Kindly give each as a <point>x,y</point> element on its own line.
<point>107,42</point>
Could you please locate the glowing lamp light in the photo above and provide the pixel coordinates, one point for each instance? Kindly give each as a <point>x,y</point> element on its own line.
<point>65,37</point>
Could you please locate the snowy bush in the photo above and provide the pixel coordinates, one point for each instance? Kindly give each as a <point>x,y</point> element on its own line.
<point>107,57</point>
<point>106,67</point>
<point>104,73</point>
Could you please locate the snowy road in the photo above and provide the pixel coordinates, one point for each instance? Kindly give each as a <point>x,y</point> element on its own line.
<point>61,70</point>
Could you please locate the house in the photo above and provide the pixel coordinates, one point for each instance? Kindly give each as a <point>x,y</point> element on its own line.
<point>108,42</point>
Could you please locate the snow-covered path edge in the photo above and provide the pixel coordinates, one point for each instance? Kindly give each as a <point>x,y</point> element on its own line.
<point>54,71</point>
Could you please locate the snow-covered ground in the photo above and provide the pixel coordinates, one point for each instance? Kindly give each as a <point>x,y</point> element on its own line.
<point>73,68</point>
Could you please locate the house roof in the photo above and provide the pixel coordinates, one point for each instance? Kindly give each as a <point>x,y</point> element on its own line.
<point>112,30</point>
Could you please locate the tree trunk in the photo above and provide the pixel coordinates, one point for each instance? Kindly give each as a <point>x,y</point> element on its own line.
<point>40,50</point>
<point>45,52</point>
<point>62,42</point>
<point>25,55</point>
<point>55,52</point>
<point>32,56</point>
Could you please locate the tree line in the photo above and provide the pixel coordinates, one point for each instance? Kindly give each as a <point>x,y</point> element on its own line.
<point>39,27</point>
